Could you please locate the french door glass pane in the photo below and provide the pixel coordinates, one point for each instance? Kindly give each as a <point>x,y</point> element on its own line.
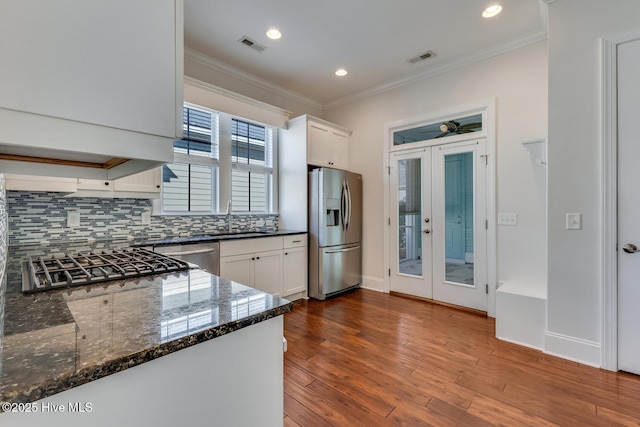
<point>459,218</point>
<point>409,217</point>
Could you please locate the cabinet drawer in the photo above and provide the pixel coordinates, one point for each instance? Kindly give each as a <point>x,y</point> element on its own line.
<point>247,246</point>
<point>295,240</point>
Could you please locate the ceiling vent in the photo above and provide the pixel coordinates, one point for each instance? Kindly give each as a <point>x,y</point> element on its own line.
<point>428,54</point>
<point>252,44</point>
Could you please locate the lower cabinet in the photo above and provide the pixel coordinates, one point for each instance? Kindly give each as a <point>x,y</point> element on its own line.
<point>261,270</point>
<point>295,266</point>
<point>276,265</point>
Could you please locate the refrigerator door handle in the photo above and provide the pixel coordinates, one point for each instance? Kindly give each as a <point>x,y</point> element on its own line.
<point>343,206</point>
<point>348,205</point>
<point>355,248</point>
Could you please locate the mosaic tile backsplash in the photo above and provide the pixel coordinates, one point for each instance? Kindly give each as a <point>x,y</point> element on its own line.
<point>3,255</point>
<point>41,217</point>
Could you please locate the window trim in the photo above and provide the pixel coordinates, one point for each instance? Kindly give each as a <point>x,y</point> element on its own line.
<point>222,179</point>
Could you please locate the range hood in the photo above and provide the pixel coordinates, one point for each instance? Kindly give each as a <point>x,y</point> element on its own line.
<point>32,144</point>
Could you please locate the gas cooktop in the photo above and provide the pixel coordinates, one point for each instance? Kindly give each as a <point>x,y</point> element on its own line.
<point>44,273</point>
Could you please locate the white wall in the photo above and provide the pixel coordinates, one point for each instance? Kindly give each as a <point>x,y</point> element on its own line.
<point>518,81</point>
<point>575,286</point>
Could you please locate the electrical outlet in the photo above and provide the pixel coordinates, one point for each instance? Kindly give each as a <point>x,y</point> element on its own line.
<point>145,218</point>
<point>574,221</point>
<point>507,218</point>
<point>73,219</point>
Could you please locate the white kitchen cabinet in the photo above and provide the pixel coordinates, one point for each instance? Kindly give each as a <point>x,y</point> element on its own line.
<point>276,265</point>
<point>143,185</point>
<point>260,269</point>
<point>238,268</point>
<point>39,183</point>
<point>90,83</point>
<point>327,146</point>
<point>143,182</point>
<point>307,142</point>
<point>267,272</point>
<point>294,264</point>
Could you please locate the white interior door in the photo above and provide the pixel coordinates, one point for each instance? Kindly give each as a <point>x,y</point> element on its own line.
<point>628,207</point>
<point>411,271</point>
<point>459,236</point>
<point>438,215</point>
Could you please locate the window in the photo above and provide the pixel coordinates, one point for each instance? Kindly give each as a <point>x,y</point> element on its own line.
<point>189,184</point>
<point>439,130</point>
<point>251,154</point>
<point>220,158</point>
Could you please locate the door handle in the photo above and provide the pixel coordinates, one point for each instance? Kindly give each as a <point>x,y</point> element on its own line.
<point>630,248</point>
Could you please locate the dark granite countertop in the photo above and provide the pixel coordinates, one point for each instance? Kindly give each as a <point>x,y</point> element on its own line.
<point>215,237</point>
<point>55,340</point>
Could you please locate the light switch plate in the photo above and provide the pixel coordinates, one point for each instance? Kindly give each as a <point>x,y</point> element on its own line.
<point>73,219</point>
<point>574,221</point>
<point>507,218</point>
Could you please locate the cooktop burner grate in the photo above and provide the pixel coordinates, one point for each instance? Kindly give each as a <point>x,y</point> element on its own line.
<point>94,267</point>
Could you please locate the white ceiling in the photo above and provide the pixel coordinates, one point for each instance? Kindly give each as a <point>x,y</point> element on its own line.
<point>372,39</point>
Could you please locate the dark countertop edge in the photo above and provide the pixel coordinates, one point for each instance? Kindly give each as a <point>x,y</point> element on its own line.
<point>160,241</point>
<point>68,381</point>
<point>213,238</point>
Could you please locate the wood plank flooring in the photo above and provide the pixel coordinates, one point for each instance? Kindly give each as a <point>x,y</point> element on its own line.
<point>374,359</point>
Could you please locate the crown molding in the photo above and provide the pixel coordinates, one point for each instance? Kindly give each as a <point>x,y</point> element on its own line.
<point>446,67</point>
<point>236,96</point>
<point>215,64</point>
<point>207,61</point>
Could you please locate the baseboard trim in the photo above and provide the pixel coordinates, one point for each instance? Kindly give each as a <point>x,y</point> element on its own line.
<point>524,344</point>
<point>444,304</point>
<point>572,348</point>
<point>372,283</point>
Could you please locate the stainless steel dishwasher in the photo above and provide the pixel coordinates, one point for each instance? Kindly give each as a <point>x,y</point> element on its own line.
<point>205,255</point>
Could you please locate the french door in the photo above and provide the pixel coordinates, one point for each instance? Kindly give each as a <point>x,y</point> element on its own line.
<point>438,223</point>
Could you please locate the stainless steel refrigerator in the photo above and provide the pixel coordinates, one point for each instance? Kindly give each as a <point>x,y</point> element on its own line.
<point>335,232</point>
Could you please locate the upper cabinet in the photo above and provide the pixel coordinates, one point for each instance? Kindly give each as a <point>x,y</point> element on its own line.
<point>327,145</point>
<point>306,141</point>
<point>143,185</point>
<point>90,89</point>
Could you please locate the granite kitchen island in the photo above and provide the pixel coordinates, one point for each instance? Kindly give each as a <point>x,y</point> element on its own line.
<point>159,350</point>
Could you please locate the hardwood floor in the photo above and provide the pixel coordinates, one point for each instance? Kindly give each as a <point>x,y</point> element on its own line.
<point>373,359</point>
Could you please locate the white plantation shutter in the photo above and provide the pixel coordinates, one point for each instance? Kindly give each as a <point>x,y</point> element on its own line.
<point>246,172</point>
<point>189,185</point>
<point>252,167</point>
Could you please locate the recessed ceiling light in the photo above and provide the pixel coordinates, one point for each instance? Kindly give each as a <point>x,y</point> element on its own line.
<point>274,33</point>
<point>341,72</point>
<point>492,10</point>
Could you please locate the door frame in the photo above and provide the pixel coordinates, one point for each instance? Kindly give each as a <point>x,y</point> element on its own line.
<point>609,188</point>
<point>487,108</point>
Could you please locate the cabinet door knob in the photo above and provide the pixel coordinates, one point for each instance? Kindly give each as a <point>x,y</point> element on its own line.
<point>106,183</point>
<point>257,257</point>
<point>286,253</point>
